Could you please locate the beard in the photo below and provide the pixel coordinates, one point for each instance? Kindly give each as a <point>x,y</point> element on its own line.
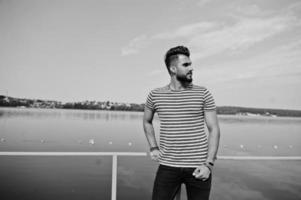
<point>186,79</point>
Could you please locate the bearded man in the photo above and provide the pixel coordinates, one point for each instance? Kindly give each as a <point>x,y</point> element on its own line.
<point>186,153</point>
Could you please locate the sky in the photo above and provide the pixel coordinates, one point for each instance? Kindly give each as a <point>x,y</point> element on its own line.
<point>247,53</point>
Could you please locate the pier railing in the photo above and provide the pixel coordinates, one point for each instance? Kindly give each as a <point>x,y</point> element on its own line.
<point>115,161</point>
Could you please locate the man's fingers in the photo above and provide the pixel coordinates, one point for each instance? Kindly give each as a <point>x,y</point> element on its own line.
<point>196,172</point>
<point>199,176</point>
<point>202,177</point>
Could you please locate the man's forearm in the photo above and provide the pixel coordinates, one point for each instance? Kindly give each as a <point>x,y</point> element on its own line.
<point>150,134</point>
<point>213,143</point>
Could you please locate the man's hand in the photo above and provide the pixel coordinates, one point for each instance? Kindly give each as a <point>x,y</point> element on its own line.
<point>202,172</point>
<point>155,154</point>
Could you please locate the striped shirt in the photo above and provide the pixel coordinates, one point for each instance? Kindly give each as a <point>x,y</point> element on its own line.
<point>183,141</point>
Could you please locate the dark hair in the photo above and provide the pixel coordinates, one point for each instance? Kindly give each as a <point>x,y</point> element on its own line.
<point>173,53</point>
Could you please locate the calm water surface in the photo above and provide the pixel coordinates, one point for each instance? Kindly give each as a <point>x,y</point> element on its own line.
<point>90,177</point>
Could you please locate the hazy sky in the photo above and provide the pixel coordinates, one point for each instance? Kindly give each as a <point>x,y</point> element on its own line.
<point>247,53</point>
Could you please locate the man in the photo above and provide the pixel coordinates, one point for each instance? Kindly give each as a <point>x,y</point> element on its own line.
<point>186,155</point>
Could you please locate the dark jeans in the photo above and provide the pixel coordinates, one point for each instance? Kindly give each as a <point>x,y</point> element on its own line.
<point>169,179</point>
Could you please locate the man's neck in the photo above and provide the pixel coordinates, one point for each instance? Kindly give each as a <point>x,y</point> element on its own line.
<point>177,85</point>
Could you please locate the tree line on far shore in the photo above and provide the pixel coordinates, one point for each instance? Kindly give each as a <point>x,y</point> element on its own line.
<point>51,104</point>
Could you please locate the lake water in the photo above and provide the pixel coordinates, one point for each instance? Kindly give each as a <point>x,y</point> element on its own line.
<point>89,177</point>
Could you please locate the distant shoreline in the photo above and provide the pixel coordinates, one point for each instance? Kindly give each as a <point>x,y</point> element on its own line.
<point>6,101</point>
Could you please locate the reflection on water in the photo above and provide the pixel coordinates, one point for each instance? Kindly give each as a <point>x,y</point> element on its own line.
<point>89,177</point>
<point>234,119</point>
<point>70,130</point>
<point>69,114</point>
<point>94,130</point>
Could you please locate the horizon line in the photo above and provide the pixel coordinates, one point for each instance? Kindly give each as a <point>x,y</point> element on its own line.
<point>63,102</point>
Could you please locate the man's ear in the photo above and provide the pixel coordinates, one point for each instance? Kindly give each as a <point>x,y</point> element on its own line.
<point>173,69</point>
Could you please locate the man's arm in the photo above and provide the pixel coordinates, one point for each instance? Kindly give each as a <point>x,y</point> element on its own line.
<point>150,132</point>
<point>202,172</point>
<point>214,135</point>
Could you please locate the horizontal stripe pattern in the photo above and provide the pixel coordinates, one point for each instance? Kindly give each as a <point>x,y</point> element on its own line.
<point>183,141</point>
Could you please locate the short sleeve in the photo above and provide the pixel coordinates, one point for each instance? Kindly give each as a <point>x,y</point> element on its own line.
<point>209,103</point>
<point>149,101</point>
